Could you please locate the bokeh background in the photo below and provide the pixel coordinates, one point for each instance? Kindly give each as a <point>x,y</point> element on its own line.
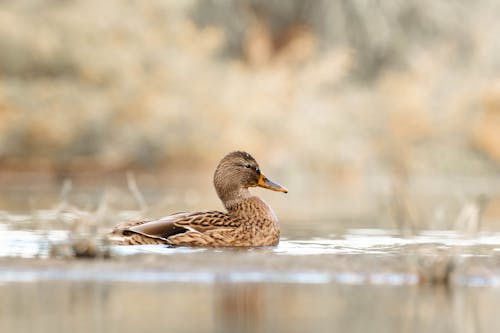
<point>372,113</point>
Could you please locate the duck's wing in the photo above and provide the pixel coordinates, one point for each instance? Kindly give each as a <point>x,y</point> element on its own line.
<point>163,227</point>
<point>179,223</point>
<point>207,220</point>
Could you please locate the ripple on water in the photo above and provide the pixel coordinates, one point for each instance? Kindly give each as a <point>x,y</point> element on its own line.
<point>29,244</point>
<point>359,256</point>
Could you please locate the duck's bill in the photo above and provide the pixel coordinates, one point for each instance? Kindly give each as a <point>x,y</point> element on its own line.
<point>266,183</point>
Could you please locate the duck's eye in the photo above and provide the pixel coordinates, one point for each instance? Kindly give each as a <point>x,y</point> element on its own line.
<point>248,166</point>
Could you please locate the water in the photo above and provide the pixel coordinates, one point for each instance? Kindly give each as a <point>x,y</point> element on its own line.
<point>222,306</point>
<point>353,280</point>
<point>327,274</point>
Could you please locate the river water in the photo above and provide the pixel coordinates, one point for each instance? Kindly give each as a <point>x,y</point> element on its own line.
<point>356,281</point>
<point>326,275</point>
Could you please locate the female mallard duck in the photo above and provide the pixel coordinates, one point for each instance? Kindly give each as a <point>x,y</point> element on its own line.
<point>249,221</point>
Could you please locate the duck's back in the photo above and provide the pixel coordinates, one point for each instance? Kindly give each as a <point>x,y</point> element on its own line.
<point>249,222</point>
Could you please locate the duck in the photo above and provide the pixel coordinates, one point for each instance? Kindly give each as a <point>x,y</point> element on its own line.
<point>248,221</point>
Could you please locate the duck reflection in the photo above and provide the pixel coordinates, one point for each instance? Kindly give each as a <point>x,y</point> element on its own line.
<point>239,307</point>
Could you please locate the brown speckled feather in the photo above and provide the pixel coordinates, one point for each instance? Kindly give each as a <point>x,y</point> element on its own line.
<point>248,222</point>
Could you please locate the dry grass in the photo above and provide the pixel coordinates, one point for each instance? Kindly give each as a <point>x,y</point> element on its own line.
<point>354,90</point>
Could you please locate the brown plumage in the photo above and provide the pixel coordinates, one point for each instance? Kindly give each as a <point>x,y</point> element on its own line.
<point>249,221</point>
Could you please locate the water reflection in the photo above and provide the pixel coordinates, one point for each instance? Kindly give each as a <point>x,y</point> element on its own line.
<point>366,280</point>
<point>239,307</point>
<point>92,306</point>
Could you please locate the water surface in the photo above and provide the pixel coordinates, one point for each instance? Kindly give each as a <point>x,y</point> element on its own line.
<point>351,280</point>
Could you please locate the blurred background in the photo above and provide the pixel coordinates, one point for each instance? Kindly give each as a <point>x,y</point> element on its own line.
<point>372,113</point>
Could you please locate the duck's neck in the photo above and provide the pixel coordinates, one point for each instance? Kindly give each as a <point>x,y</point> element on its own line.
<point>233,199</point>
<point>248,205</point>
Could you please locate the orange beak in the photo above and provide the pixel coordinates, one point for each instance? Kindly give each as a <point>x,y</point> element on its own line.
<point>266,183</point>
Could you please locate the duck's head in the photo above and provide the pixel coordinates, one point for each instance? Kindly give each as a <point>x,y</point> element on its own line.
<point>238,171</point>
